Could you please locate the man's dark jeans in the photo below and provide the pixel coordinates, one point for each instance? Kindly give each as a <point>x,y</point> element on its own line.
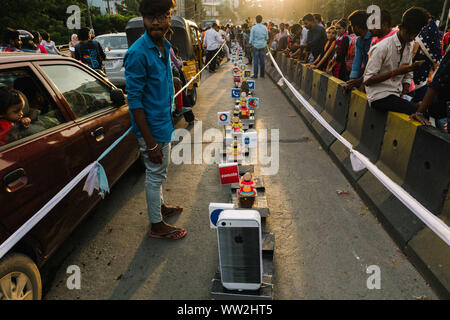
<point>394,103</point>
<point>258,60</point>
<point>209,56</point>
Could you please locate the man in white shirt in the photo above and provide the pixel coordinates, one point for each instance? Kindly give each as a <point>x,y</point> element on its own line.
<point>212,42</point>
<point>389,70</point>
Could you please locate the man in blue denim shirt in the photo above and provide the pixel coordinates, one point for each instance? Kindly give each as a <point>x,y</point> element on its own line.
<point>149,84</point>
<point>358,20</point>
<point>258,40</point>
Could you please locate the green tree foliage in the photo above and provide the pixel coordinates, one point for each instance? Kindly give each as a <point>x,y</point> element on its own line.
<point>227,14</point>
<point>51,16</point>
<point>132,6</point>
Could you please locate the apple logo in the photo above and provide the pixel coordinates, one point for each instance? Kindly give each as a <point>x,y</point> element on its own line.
<point>238,239</point>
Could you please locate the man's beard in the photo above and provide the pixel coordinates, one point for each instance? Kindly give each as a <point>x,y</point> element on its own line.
<point>157,33</point>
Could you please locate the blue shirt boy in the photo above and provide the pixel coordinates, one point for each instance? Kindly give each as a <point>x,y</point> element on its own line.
<point>148,75</point>
<point>361,55</point>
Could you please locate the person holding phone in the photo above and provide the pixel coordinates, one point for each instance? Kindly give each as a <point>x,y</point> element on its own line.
<point>389,70</point>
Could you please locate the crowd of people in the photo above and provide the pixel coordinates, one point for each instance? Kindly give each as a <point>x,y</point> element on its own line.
<point>403,68</point>
<point>412,79</point>
<point>81,47</point>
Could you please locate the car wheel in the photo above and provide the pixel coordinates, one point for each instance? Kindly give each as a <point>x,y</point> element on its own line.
<point>193,96</point>
<point>19,278</point>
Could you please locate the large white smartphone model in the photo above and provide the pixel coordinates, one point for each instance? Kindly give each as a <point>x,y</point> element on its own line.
<point>240,249</point>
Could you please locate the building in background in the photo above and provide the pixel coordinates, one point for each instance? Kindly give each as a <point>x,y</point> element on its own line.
<point>180,10</point>
<point>211,8</point>
<point>107,6</point>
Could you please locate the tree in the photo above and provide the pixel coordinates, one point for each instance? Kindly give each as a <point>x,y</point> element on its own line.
<point>132,6</point>
<point>31,15</point>
<point>226,13</point>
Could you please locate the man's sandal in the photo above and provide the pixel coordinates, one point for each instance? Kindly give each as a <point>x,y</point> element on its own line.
<point>174,234</point>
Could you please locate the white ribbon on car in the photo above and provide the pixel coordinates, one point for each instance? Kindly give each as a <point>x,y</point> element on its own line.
<point>38,216</point>
<point>360,162</point>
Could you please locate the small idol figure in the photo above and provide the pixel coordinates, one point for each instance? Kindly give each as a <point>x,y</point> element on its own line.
<point>236,124</point>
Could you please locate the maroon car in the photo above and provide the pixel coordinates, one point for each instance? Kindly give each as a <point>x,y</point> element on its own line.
<point>76,114</point>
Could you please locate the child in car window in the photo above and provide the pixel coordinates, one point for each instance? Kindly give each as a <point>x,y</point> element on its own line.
<point>11,113</point>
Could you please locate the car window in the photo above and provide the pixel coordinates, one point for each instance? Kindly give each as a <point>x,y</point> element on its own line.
<point>84,93</point>
<point>113,42</point>
<point>39,111</point>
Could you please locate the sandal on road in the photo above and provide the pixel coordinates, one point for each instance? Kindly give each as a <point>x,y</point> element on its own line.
<point>174,234</point>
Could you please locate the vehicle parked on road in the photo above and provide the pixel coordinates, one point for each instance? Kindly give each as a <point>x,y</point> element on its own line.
<point>115,46</point>
<point>76,114</point>
<point>186,37</point>
<point>205,24</point>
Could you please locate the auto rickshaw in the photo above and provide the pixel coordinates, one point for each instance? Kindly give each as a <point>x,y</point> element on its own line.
<point>186,37</point>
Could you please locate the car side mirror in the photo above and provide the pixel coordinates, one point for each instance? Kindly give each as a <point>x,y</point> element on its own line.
<point>117,97</point>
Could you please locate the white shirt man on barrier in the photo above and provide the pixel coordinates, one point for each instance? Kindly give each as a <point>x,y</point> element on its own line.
<point>388,73</point>
<point>213,40</point>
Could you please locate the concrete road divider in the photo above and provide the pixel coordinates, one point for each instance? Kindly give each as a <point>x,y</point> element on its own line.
<point>428,174</point>
<point>336,104</point>
<point>364,130</point>
<point>307,78</point>
<point>415,157</point>
<point>291,69</point>
<point>319,89</point>
<point>298,76</point>
<point>431,256</point>
<point>278,58</point>
<point>394,159</point>
<point>284,59</point>
<point>289,65</point>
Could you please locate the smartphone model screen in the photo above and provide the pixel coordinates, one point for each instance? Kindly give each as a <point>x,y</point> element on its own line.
<point>239,254</point>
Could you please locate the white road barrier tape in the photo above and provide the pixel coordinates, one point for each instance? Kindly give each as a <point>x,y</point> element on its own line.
<point>91,183</point>
<point>359,162</point>
<point>27,226</point>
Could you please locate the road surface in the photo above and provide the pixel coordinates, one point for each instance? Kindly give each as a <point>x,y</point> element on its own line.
<point>324,241</point>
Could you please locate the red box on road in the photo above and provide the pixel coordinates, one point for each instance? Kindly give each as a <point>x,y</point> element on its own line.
<point>229,173</point>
